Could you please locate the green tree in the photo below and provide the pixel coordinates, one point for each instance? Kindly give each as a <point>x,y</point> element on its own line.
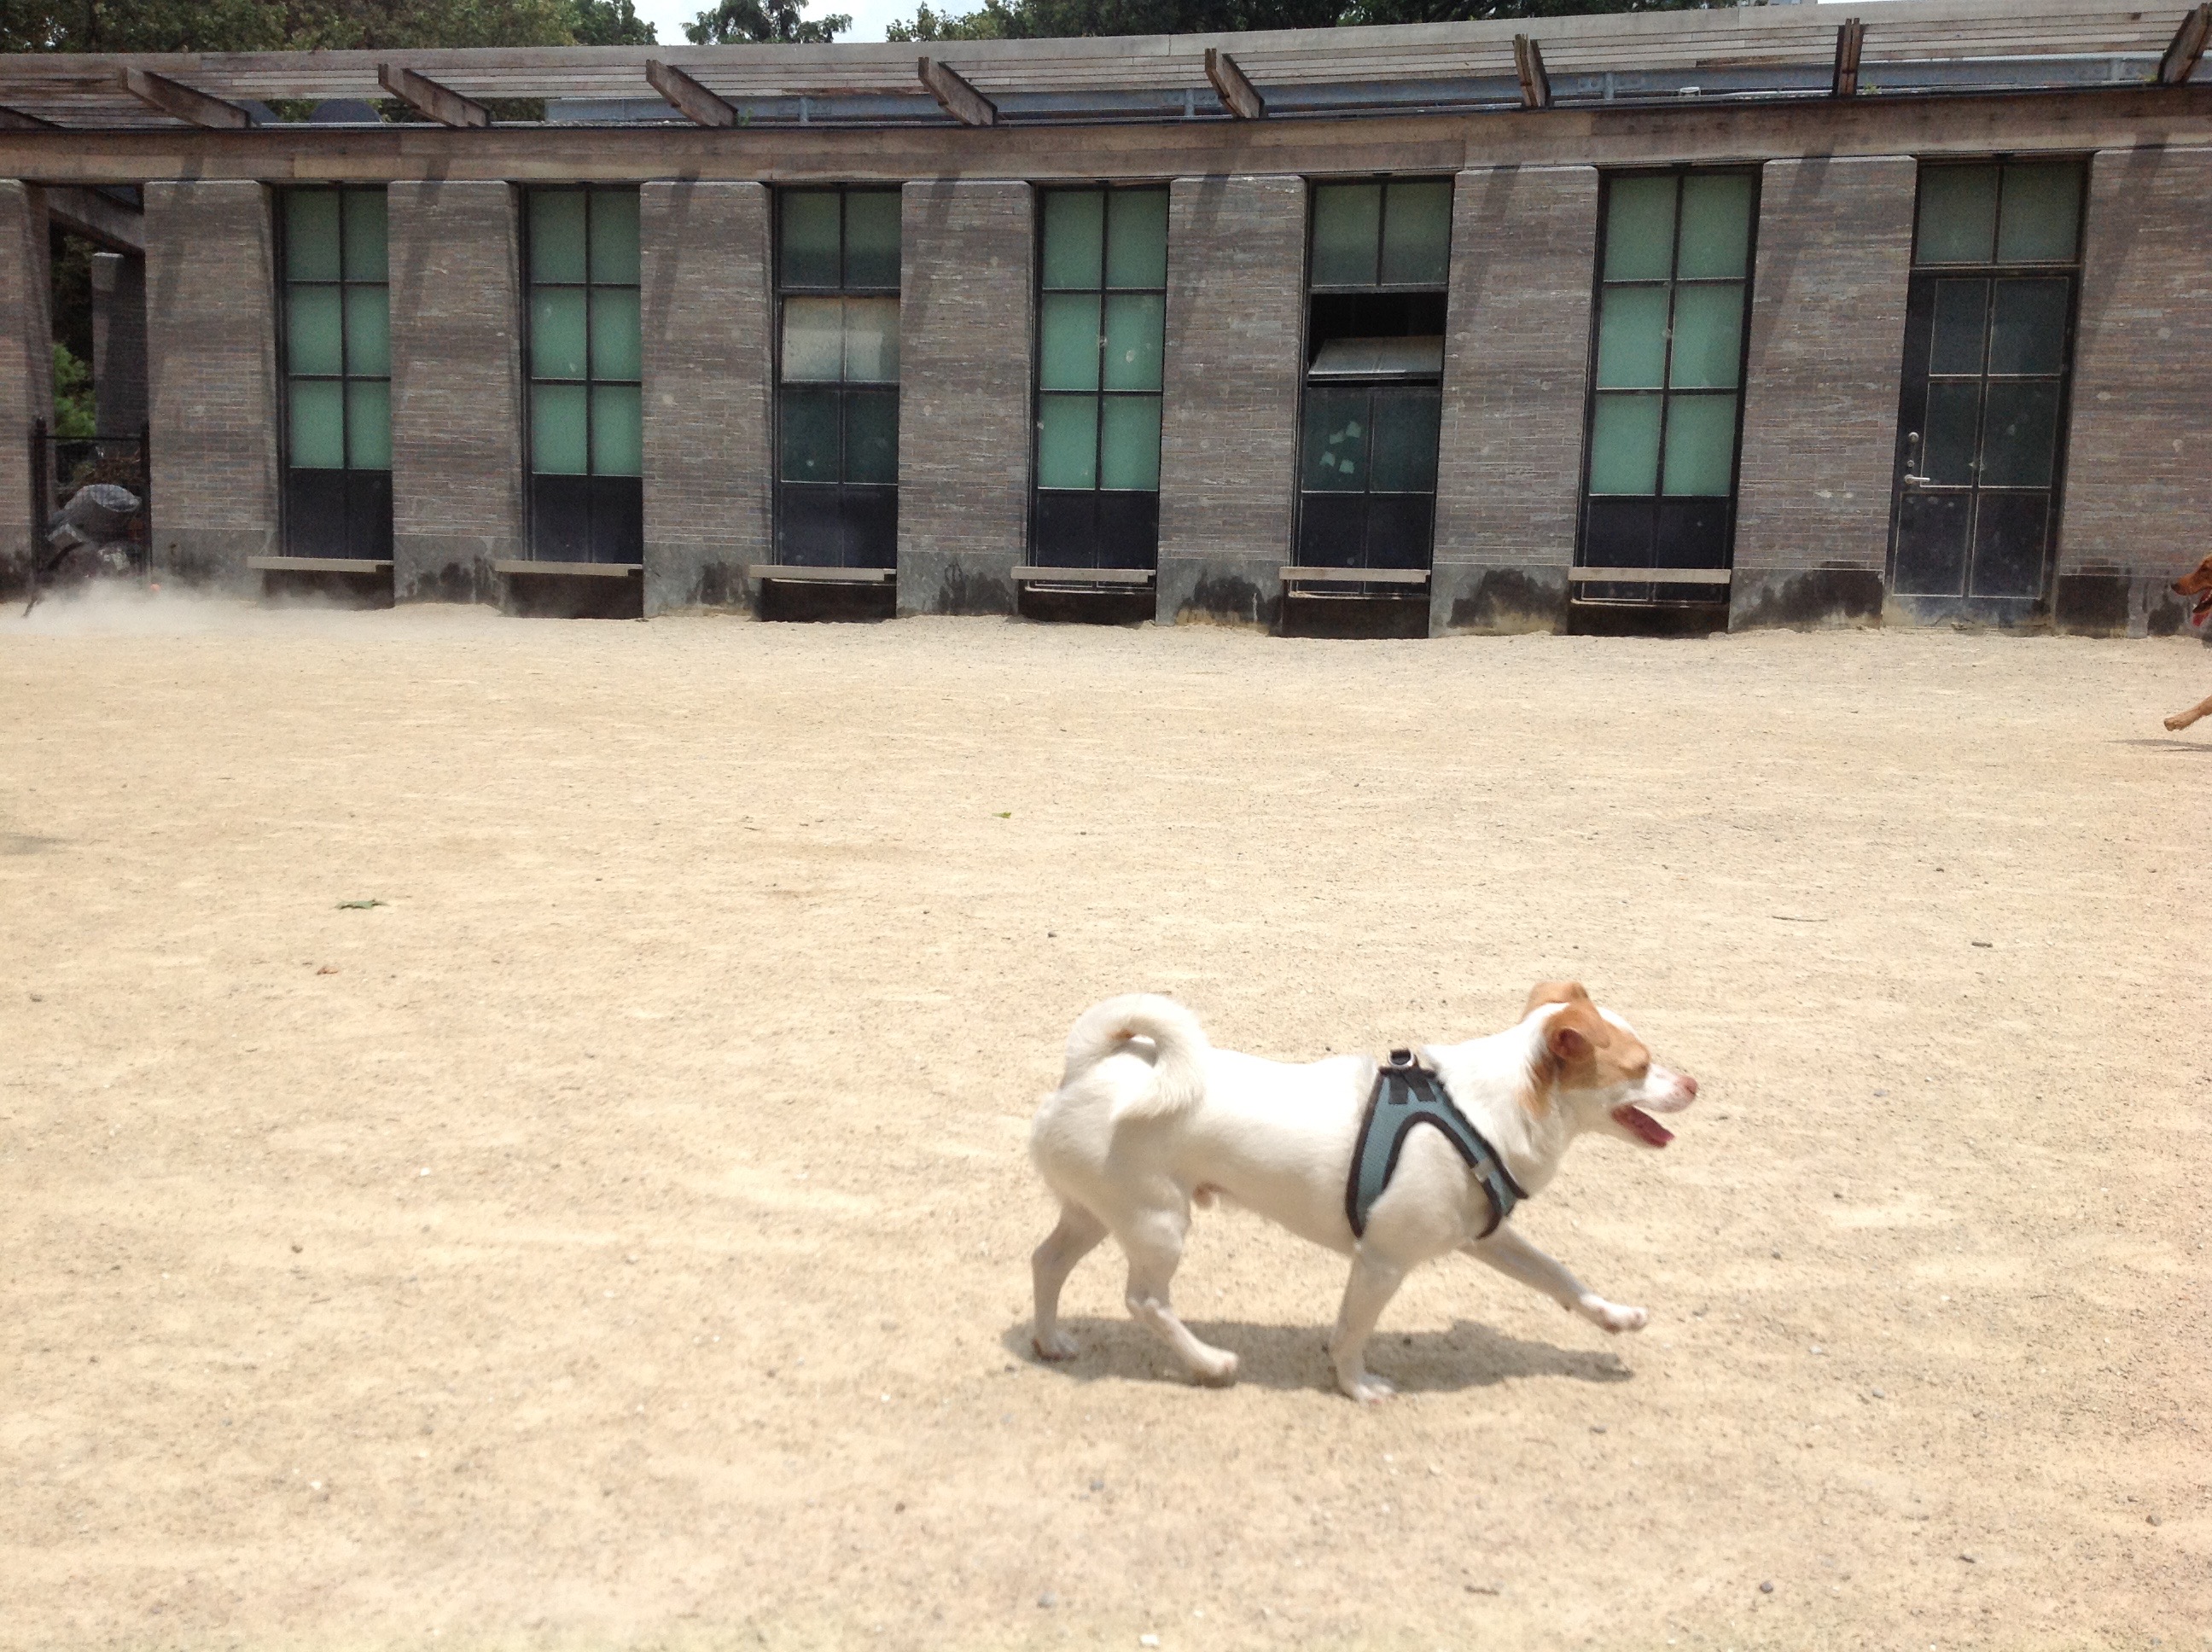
<point>306,25</point>
<point>1022,20</point>
<point>73,407</point>
<point>735,23</point>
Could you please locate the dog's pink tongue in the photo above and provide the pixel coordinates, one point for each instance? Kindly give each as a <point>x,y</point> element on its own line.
<point>1643,1125</point>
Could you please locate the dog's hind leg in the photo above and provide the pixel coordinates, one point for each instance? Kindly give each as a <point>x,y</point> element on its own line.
<point>1075,1238</point>
<point>1374,1281</point>
<point>1516,1258</point>
<point>1154,1242</point>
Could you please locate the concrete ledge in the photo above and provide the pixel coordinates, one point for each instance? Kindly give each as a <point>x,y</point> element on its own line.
<point>1290,575</point>
<point>1649,575</point>
<point>1803,599</point>
<point>316,565</point>
<point>810,574</point>
<point>1031,575</point>
<point>526,566</point>
<point>1470,600</point>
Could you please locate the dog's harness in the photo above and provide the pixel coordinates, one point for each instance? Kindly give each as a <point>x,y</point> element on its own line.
<point>1406,1094</point>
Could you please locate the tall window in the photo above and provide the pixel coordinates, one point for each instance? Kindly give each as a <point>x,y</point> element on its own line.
<point>1101,329</point>
<point>837,396</point>
<point>1375,357</point>
<point>338,375</point>
<point>586,422</point>
<point>1675,277</point>
<point>1988,349</point>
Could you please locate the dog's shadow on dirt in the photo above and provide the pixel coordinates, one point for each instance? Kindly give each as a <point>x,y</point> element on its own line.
<point>2172,743</point>
<point>1289,1357</point>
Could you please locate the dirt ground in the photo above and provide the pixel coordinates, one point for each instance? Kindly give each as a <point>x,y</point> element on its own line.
<point>617,1235</point>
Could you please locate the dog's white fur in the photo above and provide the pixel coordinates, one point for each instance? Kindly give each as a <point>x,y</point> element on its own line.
<point>1149,1118</point>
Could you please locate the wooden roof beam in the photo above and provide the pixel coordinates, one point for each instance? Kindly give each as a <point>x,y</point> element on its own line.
<point>956,96</point>
<point>1235,88</point>
<point>426,97</point>
<point>15,120</point>
<point>690,100</point>
<point>185,103</point>
<point>1529,65</point>
<point>2188,46</point>
<point>1851,39</point>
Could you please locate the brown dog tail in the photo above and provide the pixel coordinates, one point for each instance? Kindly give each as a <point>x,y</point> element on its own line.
<point>1147,1024</point>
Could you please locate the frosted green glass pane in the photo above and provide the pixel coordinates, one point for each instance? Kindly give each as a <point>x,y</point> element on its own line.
<point>810,237</point>
<point>2020,429</point>
<point>871,238</point>
<point>368,330</point>
<point>1639,228</point>
<point>809,436</point>
<point>313,337</point>
<point>1074,237</point>
<point>1067,441</point>
<point>317,425</point>
<point>368,425</point>
<point>1404,452</point>
<point>1347,219</point>
<point>615,332</point>
<point>311,234</point>
<point>1137,238</point>
<point>872,436</point>
<point>1417,233</point>
<point>366,256</point>
<point>1954,411</point>
<point>1631,337</point>
<point>813,340</point>
<point>1135,325</point>
<point>1130,441</point>
<point>871,341</point>
<point>1958,214</point>
<point>617,431</point>
<point>556,333</point>
<point>557,429</point>
<point>1701,444</point>
<point>1067,348</point>
<point>1716,225</point>
<point>614,236</point>
<point>1962,314</point>
<point>2042,213</point>
<point>1624,446</point>
<point>1336,434</point>
<point>557,235</point>
<point>1708,336</point>
<point>2028,325</point>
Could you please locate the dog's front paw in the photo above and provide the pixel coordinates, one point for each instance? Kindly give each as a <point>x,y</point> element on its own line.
<point>1218,1372</point>
<point>1367,1388</point>
<point>1614,1316</point>
<point>1058,1345</point>
<point>2178,721</point>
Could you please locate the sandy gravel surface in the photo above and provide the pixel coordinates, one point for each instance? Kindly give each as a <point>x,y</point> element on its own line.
<point>619,1236</point>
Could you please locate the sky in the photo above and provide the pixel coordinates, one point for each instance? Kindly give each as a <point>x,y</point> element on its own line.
<point>869,16</point>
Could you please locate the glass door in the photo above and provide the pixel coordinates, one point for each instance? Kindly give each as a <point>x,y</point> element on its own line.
<point>1988,351</point>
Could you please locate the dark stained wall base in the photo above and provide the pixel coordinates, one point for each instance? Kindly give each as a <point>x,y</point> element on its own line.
<point>1497,601</point>
<point>1967,613</point>
<point>573,596</point>
<point>445,568</point>
<point>1658,619</point>
<point>2115,604</point>
<point>1193,592</point>
<point>949,582</point>
<point>210,557</point>
<point>1805,599</point>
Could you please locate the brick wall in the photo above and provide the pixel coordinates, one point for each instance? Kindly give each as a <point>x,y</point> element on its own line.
<point>1517,369</point>
<point>1236,325</point>
<point>2138,494</point>
<point>967,278</point>
<point>1819,428</point>
<point>709,456</point>
<point>456,389</point>
<point>27,382</point>
<point>212,376</point>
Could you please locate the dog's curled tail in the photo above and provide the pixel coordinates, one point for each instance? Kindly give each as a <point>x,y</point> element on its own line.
<point>1178,1051</point>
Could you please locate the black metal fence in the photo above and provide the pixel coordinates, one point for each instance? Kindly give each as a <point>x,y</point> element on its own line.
<point>90,507</point>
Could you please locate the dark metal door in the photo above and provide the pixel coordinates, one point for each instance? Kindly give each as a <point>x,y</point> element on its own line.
<point>1981,430</point>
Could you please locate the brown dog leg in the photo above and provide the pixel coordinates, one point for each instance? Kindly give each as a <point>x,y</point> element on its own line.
<point>2181,719</point>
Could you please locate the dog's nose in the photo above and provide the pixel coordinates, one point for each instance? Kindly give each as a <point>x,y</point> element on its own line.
<point>1690,1087</point>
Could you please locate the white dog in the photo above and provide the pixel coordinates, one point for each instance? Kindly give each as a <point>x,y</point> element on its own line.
<point>1150,1118</point>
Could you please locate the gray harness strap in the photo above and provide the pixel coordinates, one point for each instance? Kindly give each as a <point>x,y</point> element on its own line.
<point>1406,1095</point>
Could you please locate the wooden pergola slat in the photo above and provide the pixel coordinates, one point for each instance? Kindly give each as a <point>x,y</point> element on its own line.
<point>188,104</point>
<point>690,100</point>
<point>427,97</point>
<point>2186,49</point>
<point>956,95</point>
<point>1850,40</point>
<point>1230,84</point>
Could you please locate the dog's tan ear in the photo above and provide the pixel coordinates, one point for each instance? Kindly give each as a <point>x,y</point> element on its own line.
<point>1553,992</point>
<point>1567,1042</point>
